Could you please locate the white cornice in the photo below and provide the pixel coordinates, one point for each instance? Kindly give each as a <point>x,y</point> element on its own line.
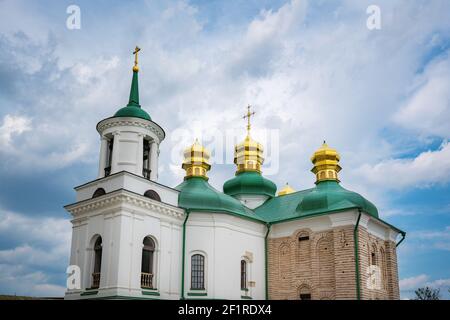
<point>133,122</point>
<point>120,197</point>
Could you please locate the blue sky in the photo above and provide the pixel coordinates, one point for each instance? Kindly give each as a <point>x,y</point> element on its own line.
<point>312,70</point>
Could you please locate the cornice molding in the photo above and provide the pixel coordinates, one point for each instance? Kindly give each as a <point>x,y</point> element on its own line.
<point>133,122</point>
<point>123,197</point>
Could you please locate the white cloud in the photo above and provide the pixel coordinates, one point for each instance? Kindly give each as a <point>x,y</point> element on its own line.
<point>13,126</point>
<point>428,109</point>
<point>413,283</point>
<point>37,263</point>
<point>428,168</point>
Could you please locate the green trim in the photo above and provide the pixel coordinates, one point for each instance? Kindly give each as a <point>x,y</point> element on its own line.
<point>183,255</point>
<point>403,238</point>
<point>267,260</point>
<point>246,298</point>
<point>150,293</point>
<point>197,294</point>
<point>89,293</point>
<point>244,289</point>
<point>355,240</point>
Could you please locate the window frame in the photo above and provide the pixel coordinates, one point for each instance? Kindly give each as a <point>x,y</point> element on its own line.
<point>198,272</point>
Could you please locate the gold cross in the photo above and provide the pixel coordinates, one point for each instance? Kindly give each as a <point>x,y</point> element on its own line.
<point>248,115</point>
<point>135,52</point>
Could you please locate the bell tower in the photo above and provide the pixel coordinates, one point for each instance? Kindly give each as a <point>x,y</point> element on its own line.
<point>130,139</point>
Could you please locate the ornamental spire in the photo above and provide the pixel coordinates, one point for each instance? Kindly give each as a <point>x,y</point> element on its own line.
<point>134,92</point>
<point>326,164</point>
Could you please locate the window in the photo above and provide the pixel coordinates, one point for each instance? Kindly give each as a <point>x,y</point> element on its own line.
<point>147,263</point>
<point>97,262</point>
<point>303,238</point>
<point>198,272</point>
<point>243,274</point>
<point>146,160</point>
<point>152,195</point>
<point>99,192</point>
<point>109,152</point>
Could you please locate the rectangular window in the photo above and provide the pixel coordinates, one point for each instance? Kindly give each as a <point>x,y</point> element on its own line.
<point>303,238</point>
<point>198,272</point>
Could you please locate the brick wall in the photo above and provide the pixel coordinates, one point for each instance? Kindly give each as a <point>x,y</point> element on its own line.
<point>324,266</point>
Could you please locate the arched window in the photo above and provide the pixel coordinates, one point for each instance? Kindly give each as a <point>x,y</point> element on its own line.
<point>243,275</point>
<point>97,262</point>
<point>305,293</point>
<point>152,194</point>
<point>147,263</point>
<point>99,192</point>
<point>198,272</point>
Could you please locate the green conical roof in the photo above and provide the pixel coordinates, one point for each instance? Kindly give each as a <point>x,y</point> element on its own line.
<point>133,108</point>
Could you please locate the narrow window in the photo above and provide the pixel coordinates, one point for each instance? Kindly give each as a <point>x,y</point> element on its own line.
<point>147,263</point>
<point>146,160</point>
<point>97,263</point>
<point>109,152</point>
<point>243,275</point>
<point>198,272</point>
<point>303,238</point>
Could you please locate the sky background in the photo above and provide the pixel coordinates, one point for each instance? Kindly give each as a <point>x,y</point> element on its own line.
<point>311,69</point>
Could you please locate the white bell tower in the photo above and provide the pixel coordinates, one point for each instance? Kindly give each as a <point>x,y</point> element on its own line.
<point>130,139</point>
<point>126,226</point>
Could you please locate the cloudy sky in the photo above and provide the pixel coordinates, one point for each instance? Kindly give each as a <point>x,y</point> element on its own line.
<point>311,69</point>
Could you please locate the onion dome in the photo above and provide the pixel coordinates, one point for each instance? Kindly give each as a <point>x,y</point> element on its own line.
<point>286,190</point>
<point>248,157</point>
<point>133,108</point>
<point>326,164</point>
<point>196,194</point>
<point>196,161</point>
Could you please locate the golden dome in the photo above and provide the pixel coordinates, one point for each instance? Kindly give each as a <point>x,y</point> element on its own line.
<point>196,161</point>
<point>286,190</point>
<point>248,155</point>
<point>326,163</point>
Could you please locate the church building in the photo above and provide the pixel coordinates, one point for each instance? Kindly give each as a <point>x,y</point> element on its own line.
<point>135,238</point>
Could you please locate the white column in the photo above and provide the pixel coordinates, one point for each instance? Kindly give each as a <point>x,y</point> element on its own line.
<point>115,153</point>
<point>154,161</point>
<point>102,159</point>
<point>140,155</point>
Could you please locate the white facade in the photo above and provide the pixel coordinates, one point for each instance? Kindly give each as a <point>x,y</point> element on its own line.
<point>224,240</point>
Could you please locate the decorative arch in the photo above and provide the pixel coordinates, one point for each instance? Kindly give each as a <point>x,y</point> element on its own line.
<point>152,194</point>
<point>99,192</point>
<point>304,292</point>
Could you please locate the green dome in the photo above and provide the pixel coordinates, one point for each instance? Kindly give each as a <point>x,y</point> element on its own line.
<point>330,196</point>
<point>249,182</point>
<point>133,111</point>
<point>198,195</point>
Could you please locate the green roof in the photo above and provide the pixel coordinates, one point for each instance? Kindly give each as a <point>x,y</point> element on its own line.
<point>196,194</point>
<point>249,182</point>
<point>133,108</point>
<point>326,197</point>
